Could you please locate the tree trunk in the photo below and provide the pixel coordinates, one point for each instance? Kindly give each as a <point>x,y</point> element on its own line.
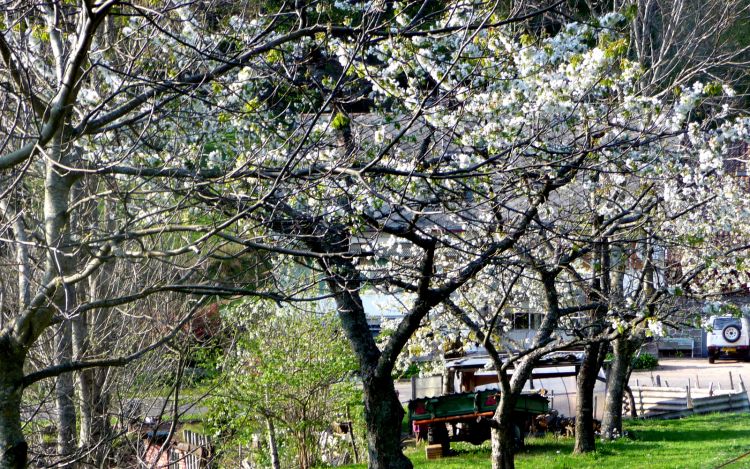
<point>64,389</point>
<point>84,383</point>
<point>93,400</point>
<point>502,447</point>
<point>272,448</point>
<point>13,447</point>
<point>100,426</point>
<point>503,433</point>
<point>448,381</point>
<point>585,382</point>
<point>383,416</point>
<point>60,263</point>
<point>383,411</point>
<point>92,336</point>
<point>601,288</point>
<point>623,349</point>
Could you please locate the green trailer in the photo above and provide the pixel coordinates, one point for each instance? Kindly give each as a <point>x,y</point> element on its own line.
<point>468,413</point>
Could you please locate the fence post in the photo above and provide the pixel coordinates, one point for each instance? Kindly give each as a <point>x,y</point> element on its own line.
<point>552,399</point>
<point>640,401</point>
<point>689,400</point>
<point>595,405</point>
<point>351,435</point>
<point>731,381</point>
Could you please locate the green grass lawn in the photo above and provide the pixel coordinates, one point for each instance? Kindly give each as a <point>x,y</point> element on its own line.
<point>701,442</point>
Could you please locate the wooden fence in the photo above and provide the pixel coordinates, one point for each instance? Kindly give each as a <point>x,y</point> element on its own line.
<point>675,402</point>
<point>192,453</point>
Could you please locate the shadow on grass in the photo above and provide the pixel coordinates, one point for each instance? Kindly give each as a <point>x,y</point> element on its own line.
<point>564,446</point>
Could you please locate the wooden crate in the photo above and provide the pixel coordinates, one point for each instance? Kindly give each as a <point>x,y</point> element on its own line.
<point>434,451</point>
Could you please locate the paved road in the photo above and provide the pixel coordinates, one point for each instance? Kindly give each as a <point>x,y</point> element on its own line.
<point>695,371</point>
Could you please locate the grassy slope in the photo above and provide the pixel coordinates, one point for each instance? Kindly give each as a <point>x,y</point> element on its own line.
<point>696,442</point>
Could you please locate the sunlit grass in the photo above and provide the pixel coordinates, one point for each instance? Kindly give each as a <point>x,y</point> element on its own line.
<point>701,442</point>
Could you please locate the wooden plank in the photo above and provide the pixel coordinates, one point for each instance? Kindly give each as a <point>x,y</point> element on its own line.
<point>456,418</point>
<point>670,415</point>
<point>682,404</point>
<point>659,389</point>
<point>640,400</point>
<point>721,407</point>
<point>726,392</point>
<point>661,400</point>
<point>657,408</point>
<point>713,408</point>
<point>712,400</point>
<point>666,396</point>
<point>434,451</point>
<point>651,399</point>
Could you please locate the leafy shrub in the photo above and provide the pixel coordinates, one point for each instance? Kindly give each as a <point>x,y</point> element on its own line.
<point>645,361</point>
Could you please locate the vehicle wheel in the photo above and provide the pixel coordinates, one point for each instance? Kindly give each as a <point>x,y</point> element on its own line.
<point>731,333</point>
<point>437,434</point>
<point>479,432</point>
<point>711,359</point>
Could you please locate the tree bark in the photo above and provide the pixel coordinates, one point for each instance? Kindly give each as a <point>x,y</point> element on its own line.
<point>91,337</point>
<point>60,262</point>
<point>585,382</point>
<point>94,338</point>
<point>600,290</point>
<point>13,447</point>
<point>64,389</point>
<point>272,448</point>
<point>383,416</point>
<point>623,350</point>
<point>504,429</point>
<point>85,381</point>
<point>383,411</point>
<point>93,401</point>
<point>448,381</point>
<point>503,433</point>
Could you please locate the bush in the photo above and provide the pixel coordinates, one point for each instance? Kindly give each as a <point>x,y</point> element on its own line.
<point>645,361</point>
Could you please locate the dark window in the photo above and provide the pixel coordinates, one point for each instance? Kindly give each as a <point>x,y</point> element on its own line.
<point>720,323</point>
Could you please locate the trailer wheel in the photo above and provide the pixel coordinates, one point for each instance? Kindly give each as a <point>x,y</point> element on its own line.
<point>478,431</point>
<point>711,359</point>
<point>437,434</point>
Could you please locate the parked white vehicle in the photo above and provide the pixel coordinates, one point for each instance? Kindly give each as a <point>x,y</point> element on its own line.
<point>728,337</point>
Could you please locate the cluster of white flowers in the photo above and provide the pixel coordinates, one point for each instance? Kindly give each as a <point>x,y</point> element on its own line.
<point>491,115</point>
